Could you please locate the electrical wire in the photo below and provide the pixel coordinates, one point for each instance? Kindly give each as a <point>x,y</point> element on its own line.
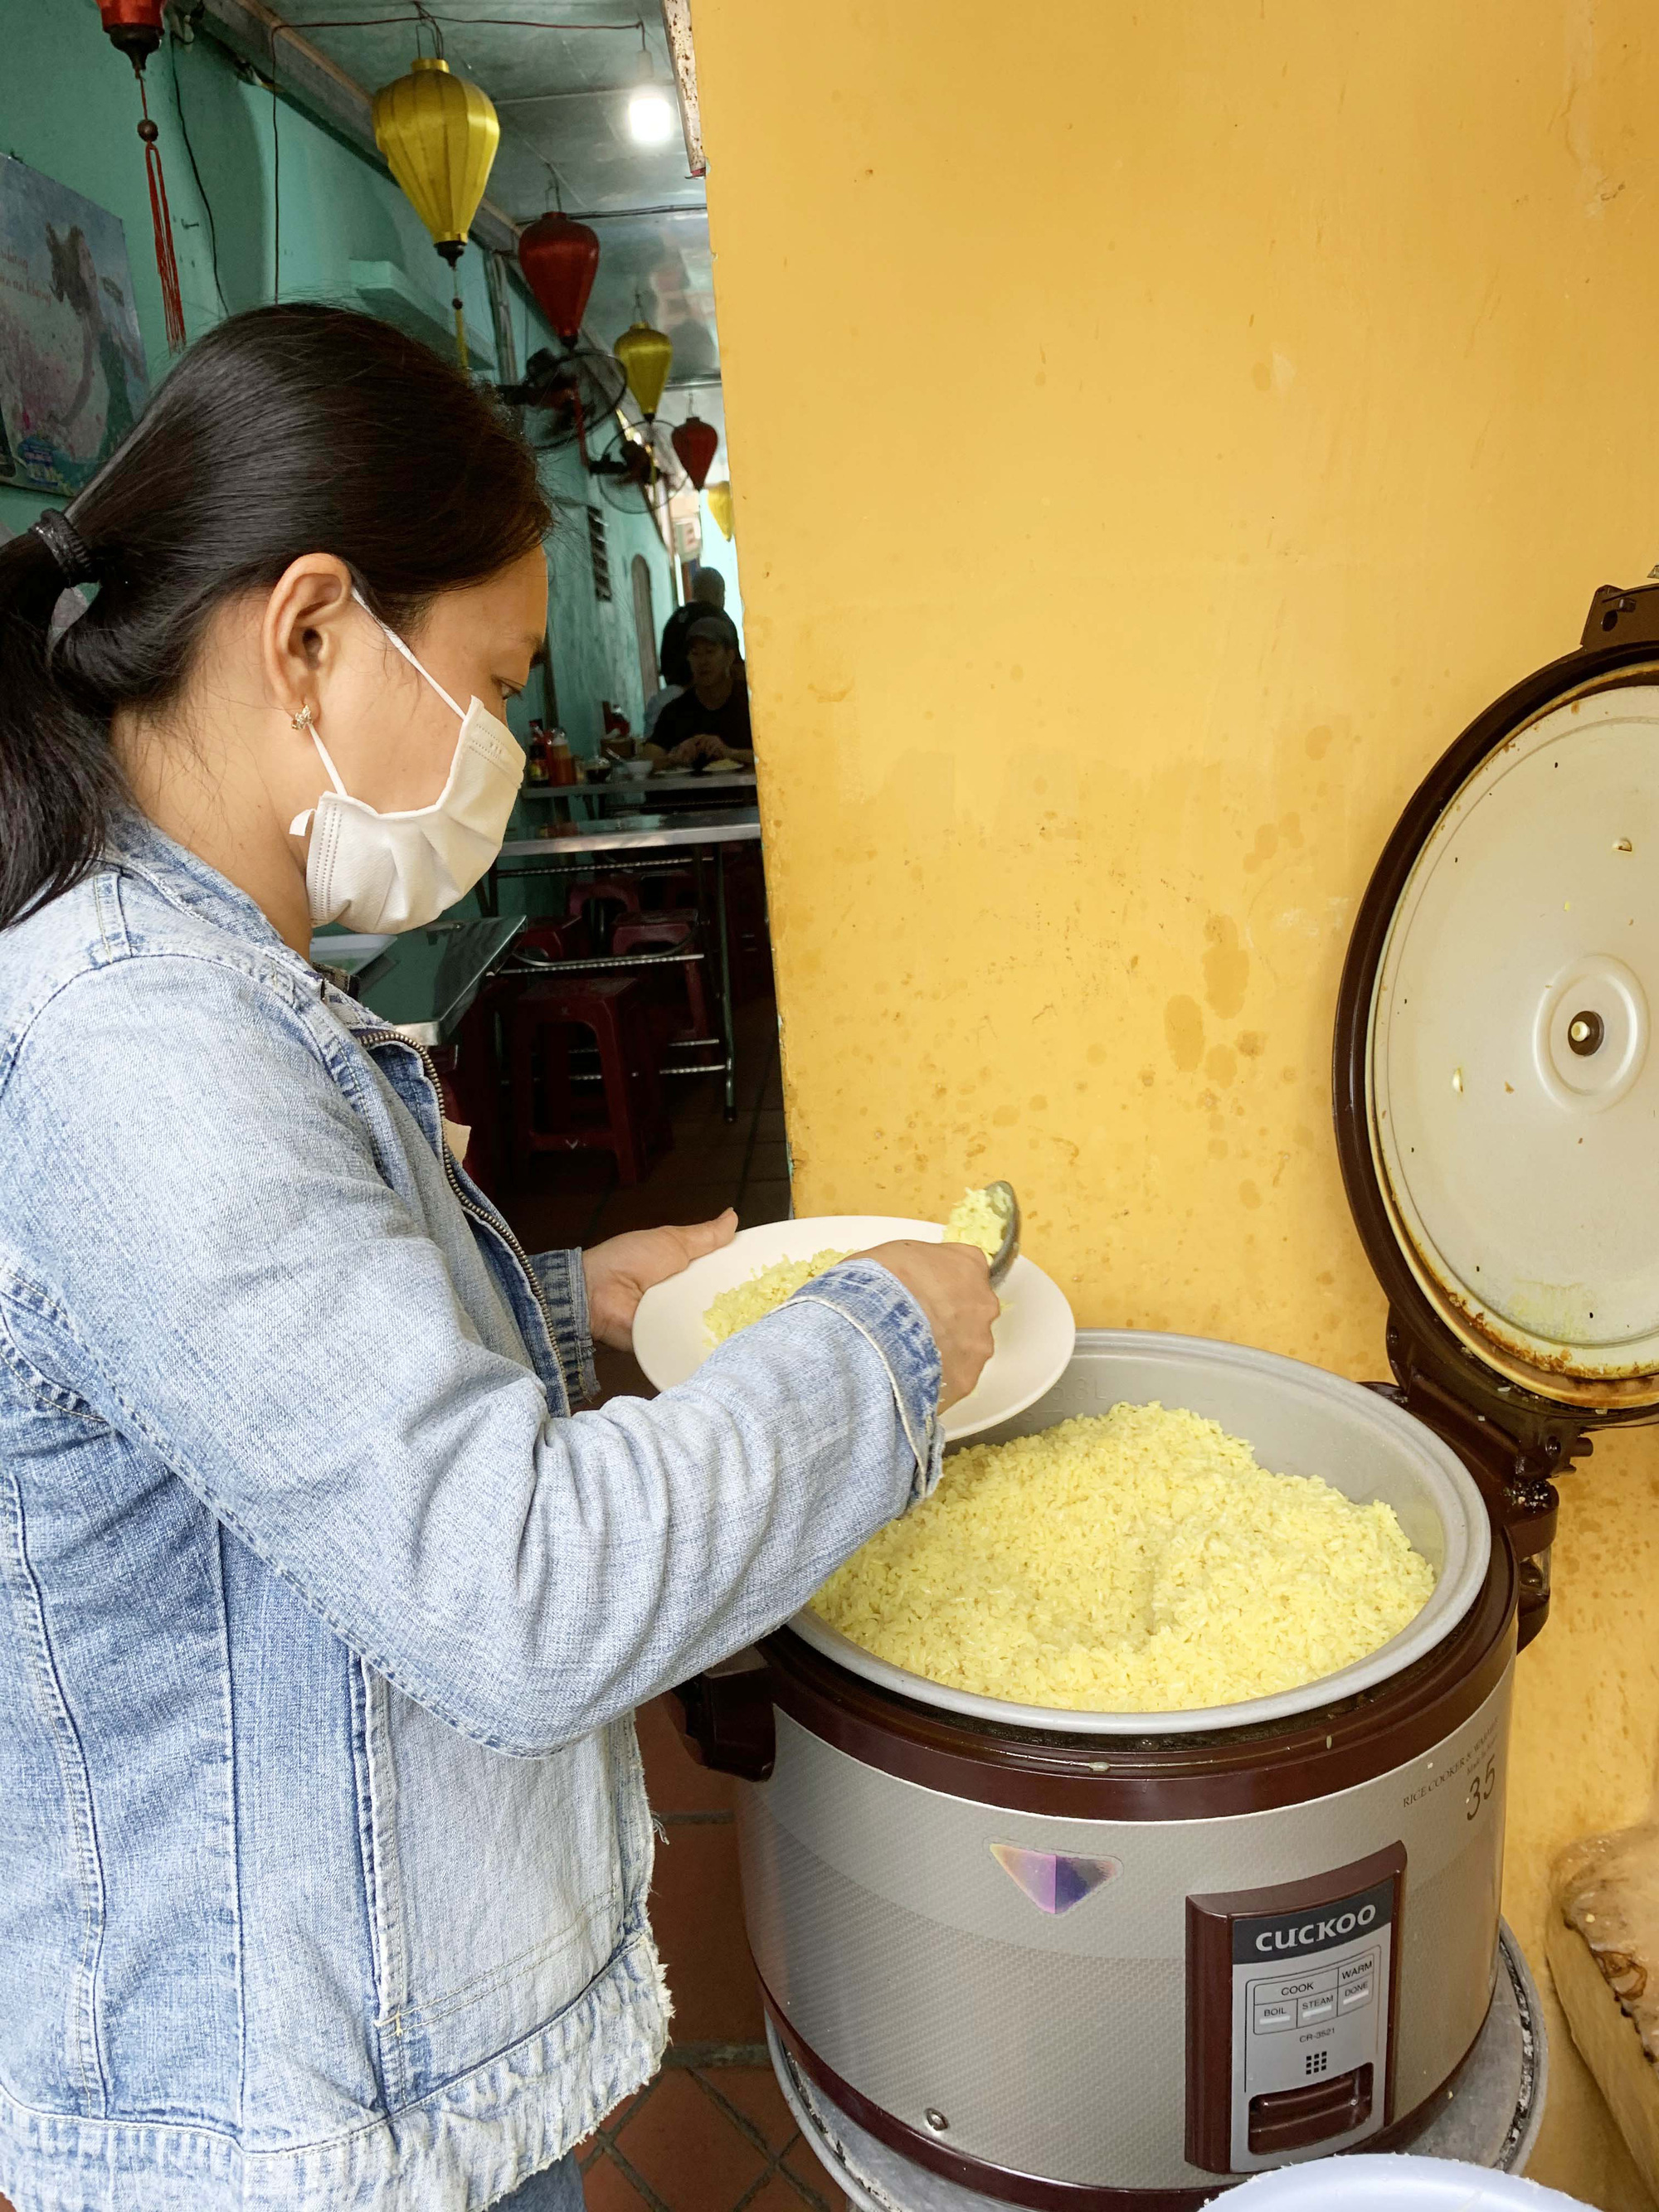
<point>275,186</point>
<point>616,214</point>
<point>201,189</point>
<point>503,22</point>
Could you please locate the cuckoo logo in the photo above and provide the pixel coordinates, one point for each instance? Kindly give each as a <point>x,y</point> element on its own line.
<point>1053,1881</point>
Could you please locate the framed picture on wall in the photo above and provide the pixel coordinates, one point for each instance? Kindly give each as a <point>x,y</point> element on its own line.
<point>73,378</point>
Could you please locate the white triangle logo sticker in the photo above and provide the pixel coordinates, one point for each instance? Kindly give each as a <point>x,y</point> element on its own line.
<point>1053,1881</point>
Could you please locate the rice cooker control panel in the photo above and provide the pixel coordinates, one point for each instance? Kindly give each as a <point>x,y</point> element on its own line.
<point>1291,2017</point>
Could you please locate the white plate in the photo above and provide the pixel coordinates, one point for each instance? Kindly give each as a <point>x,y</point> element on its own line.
<point>1034,1337</point>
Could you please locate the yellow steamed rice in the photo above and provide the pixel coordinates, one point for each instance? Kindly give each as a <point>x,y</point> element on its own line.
<point>975,1221</point>
<point>1135,1561</point>
<point>763,1293</point>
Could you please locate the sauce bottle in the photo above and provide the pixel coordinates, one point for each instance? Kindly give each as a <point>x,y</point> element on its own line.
<point>535,769</point>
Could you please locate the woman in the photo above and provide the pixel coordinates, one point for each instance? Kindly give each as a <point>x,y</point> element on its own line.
<point>324,1849</point>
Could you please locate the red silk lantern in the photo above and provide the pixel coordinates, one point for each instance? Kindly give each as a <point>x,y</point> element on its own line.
<point>695,442</point>
<point>134,28</point>
<point>560,259</point>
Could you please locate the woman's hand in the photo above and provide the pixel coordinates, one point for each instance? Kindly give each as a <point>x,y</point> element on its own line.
<point>621,1270</point>
<point>952,1284</point>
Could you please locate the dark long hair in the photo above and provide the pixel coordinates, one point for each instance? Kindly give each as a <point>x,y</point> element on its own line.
<point>290,430</point>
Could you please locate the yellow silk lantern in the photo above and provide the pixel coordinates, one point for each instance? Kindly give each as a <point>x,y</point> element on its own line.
<point>718,496</point>
<point>645,354</point>
<point>439,134</point>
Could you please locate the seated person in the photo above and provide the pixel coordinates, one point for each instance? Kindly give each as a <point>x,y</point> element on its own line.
<point>654,705</point>
<point>709,721</point>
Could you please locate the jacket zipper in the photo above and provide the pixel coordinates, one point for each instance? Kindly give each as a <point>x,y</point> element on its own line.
<point>497,1227</point>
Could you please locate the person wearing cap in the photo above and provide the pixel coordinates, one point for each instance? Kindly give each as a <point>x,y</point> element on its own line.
<point>709,721</point>
<point>707,598</point>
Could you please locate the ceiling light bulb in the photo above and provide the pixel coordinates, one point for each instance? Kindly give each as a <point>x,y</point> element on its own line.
<point>651,116</point>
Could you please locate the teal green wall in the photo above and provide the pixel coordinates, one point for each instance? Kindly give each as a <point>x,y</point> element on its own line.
<point>68,107</point>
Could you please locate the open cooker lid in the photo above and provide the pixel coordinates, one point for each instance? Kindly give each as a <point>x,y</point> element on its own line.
<point>1497,1074</point>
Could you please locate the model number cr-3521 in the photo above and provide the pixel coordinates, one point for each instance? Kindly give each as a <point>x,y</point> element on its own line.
<point>1482,1789</point>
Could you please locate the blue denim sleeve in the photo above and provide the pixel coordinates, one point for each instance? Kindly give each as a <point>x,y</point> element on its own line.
<point>564,1292</point>
<point>881,1309</point>
<point>234,1279</point>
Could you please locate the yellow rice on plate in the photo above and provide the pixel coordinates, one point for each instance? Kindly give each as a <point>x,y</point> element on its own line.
<point>763,1293</point>
<point>1132,1561</point>
<point>974,1221</point>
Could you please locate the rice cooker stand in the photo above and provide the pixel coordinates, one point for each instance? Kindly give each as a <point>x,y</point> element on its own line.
<point>1495,969</point>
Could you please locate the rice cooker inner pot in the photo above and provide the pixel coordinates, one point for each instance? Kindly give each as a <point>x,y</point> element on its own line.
<point>1298,1420</point>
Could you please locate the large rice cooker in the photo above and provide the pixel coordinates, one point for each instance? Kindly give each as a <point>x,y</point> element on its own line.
<point>1109,1962</point>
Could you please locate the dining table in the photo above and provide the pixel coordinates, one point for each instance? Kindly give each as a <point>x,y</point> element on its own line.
<point>618,797</point>
<point>636,840</point>
<point>422,982</point>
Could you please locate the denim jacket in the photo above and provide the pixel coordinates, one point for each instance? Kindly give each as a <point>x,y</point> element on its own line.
<point>323,1848</point>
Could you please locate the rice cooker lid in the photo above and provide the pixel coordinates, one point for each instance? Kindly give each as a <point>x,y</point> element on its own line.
<point>1497,1069</point>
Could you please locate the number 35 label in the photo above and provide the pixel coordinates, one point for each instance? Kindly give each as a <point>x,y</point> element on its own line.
<point>1483,1788</point>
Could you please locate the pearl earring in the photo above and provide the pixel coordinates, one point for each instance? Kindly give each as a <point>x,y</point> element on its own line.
<point>302,719</point>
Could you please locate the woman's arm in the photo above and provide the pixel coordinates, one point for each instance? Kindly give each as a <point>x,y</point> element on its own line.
<point>219,1268</point>
<point>589,1297</point>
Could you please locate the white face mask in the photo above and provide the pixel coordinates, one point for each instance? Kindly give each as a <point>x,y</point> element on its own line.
<point>391,872</point>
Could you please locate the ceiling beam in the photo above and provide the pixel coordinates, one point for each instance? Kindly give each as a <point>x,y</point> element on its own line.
<point>261,37</point>
<point>619,215</point>
<point>676,22</point>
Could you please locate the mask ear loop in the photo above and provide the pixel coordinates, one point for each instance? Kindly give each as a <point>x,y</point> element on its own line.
<point>297,827</point>
<point>460,713</point>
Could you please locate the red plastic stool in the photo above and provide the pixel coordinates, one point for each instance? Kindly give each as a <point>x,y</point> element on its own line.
<point>670,933</point>
<point>633,1126</point>
<point>551,940</point>
<point>541,942</point>
<point>663,888</point>
<point>591,899</point>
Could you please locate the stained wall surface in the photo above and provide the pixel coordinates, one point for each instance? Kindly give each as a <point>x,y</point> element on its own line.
<point>1156,433</point>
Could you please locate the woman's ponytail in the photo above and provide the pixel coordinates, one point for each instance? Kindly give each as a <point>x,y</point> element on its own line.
<point>288,430</point>
<point>58,777</point>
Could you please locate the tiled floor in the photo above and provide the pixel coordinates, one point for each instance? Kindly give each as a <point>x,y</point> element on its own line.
<point>711,2133</point>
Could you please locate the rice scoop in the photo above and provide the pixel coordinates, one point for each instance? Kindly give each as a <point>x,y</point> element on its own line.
<point>1138,1560</point>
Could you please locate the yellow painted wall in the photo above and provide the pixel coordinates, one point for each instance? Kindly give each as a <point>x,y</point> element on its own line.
<point>1155,430</point>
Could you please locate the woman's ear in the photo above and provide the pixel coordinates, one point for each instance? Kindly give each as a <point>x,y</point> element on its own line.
<point>302,634</point>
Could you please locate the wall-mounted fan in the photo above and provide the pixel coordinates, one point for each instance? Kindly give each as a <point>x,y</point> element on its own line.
<point>636,467</point>
<point>570,396</point>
